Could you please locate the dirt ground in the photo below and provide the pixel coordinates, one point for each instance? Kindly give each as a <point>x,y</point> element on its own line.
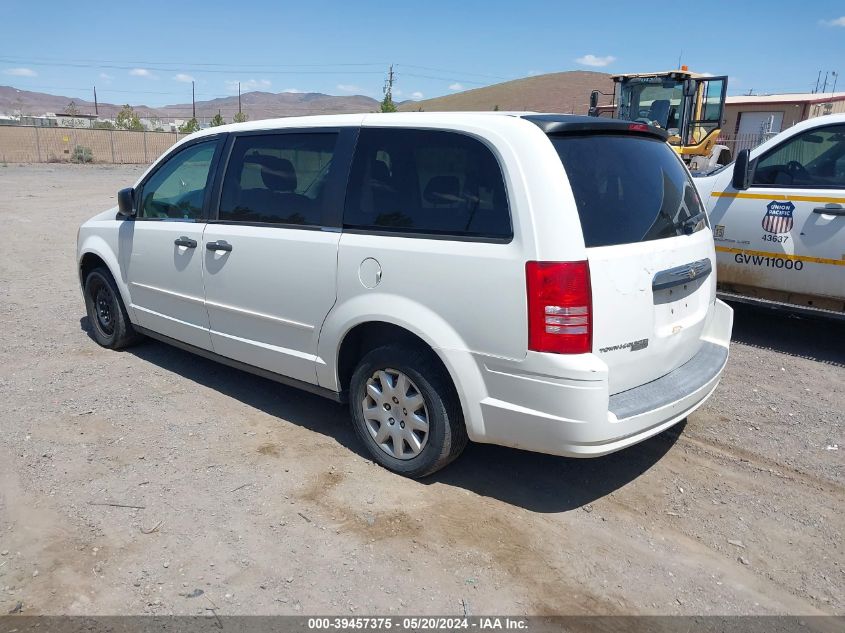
<point>255,498</point>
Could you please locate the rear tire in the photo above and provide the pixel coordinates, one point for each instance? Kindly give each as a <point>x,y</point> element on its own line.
<point>110,325</point>
<point>406,411</point>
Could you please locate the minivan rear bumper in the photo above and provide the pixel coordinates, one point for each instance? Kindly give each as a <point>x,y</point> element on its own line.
<point>571,413</point>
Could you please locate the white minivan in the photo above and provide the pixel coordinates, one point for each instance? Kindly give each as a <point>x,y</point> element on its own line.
<point>544,282</point>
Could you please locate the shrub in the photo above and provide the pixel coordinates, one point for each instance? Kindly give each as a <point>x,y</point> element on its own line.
<point>82,154</point>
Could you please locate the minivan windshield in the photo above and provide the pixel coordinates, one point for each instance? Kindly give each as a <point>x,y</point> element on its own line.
<point>629,188</point>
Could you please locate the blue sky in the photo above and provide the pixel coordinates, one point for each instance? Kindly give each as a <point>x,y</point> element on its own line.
<point>148,52</point>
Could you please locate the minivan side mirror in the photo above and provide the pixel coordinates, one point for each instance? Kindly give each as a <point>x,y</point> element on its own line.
<point>126,203</point>
<point>743,170</point>
<point>594,102</point>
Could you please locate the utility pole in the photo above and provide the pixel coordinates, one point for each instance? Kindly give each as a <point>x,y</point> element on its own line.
<point>193,101</point>
<point>388,85</point>
<point>818,79</point>
<point>239,98</point>
<point>824,88</point>
<point>96,109</point>
<point>835,78</point>
<point>387,104</point>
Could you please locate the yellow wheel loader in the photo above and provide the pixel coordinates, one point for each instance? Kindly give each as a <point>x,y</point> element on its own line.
<point>689,106</point>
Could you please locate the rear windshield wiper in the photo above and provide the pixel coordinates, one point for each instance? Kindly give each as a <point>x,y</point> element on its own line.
<point>689,226</point>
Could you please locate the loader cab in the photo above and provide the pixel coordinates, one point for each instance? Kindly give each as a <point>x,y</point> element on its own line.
<point>689,106</point>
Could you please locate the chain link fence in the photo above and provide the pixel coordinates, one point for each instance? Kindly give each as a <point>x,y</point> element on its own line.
<point>739,142</point>
<point>23,144</point>
<point>29,144</point>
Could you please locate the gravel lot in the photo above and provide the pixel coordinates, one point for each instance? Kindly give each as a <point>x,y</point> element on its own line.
<point>256,498</point>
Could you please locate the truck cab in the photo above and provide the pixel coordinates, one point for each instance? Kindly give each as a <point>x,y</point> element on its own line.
<point>778,215</point>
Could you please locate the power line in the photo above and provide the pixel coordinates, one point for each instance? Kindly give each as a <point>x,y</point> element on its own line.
<point>242,67</point>
<point>464,81</point>
<point>45,60</point>
<point>451,70</point>
<point>183,69</point>
<point>255,70</point>
<point>115,90</point>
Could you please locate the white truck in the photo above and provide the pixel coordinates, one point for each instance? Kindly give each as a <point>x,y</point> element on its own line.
<point>778,216</point>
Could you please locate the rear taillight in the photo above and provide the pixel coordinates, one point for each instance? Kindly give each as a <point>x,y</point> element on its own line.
<point>560,307</point>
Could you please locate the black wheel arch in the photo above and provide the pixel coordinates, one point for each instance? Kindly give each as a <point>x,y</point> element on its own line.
<point>369,335</point>
<point>88,262</point>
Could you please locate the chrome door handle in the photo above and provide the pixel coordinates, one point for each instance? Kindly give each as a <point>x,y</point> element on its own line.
<point>219,246</point>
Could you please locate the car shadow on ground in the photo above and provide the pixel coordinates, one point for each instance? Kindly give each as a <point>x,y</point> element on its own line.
<point>818,339</point>
<point>536,482</point>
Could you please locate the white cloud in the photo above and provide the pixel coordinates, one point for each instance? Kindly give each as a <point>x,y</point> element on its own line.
<point>706,74</point>
<point>835,22</point>
<point>141,72</point>
<point>249,85</point>
<point>594,60</point>
<point>183,78</point>
<point>456,86</point>
<point>416,95</point>
<point>351,88</point>
<point>534,73</point>
<point>106,76</point>
<point>20,72</point>
<point>294,91</point>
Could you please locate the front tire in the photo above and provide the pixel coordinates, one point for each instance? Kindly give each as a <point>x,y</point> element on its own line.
<point>405,410</point>
<point>110,325</point>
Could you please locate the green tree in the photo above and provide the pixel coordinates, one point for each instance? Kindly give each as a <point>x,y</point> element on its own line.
<point>103,125</point>
<point>127,119</point>
<point>217,120</point>
<point>240,117</point>
<point>189,127</point>
<point>496,108</point>
<point>387,104</point>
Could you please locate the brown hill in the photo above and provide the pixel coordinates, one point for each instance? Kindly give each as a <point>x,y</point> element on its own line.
<point>554,92</point>
<point>257,105</point>
<point>268,105</point>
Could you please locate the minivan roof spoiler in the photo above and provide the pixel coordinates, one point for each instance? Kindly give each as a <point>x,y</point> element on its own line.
<point>574,124</point>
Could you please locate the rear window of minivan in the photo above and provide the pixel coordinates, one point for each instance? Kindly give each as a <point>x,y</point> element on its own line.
<point>627,188</point>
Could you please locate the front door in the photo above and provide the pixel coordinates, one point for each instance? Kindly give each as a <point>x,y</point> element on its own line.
<point>271,253</point>
<point>163,246</point>
<point>786,233</point>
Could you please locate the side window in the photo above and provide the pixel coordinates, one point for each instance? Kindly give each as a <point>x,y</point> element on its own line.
<point>712,101</point>
<point>177,189</point>
<point>812,159</point>
<point>428,182</point>
<point>277,178</point>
